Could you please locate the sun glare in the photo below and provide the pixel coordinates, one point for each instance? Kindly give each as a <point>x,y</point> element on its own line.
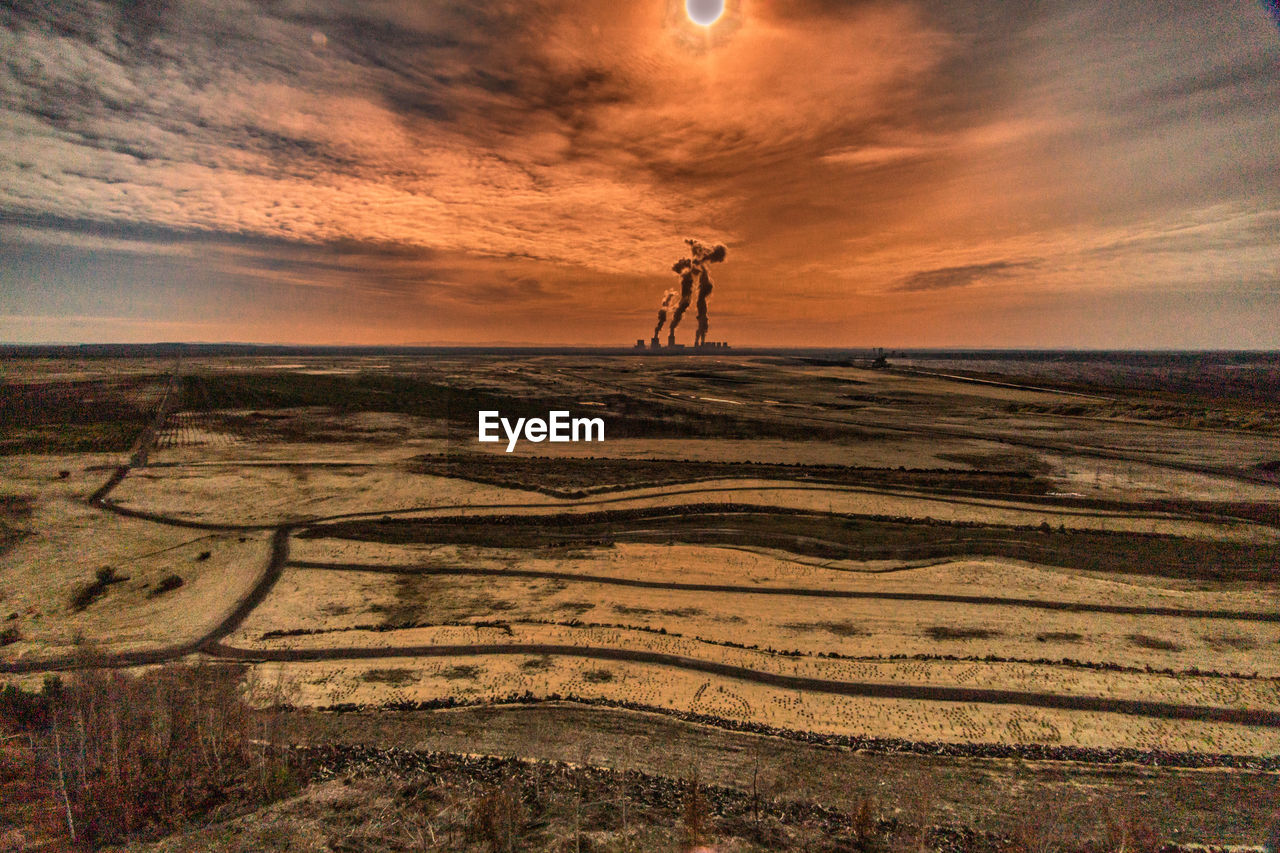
<point>704,12</point>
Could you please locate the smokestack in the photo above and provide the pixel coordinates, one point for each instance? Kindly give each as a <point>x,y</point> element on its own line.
<point>702,255</point>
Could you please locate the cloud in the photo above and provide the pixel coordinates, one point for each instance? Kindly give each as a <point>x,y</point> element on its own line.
<point>871,156</point>
<point>544,131</point>
<point>962,276</point>
<point>309,145</point>
<point>451,156</point>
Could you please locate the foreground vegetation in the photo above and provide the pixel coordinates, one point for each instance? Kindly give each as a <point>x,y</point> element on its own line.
<point>401,800</point>
<point>104,757</point>
<point>176,757</point>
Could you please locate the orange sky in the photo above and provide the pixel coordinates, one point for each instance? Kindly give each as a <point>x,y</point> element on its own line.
<point>1085,173</point>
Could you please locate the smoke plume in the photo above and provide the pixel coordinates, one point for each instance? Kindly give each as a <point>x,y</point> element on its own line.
<point>686,296</point>
<point>667,299</point>
<point>704,290</point>
<point>689,269</point>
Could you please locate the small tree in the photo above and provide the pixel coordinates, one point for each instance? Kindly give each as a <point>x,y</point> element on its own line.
<point>696,814</point>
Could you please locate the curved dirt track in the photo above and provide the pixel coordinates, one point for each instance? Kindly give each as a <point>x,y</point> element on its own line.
<point>574,577</point>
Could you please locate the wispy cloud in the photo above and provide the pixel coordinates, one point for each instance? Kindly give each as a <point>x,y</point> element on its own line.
<point>948,277</point>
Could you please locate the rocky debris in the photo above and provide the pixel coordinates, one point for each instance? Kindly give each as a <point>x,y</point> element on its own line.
<point>542,779</point>
<point>734,812</point>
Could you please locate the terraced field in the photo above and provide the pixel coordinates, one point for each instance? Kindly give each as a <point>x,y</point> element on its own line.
<point>350,544</point>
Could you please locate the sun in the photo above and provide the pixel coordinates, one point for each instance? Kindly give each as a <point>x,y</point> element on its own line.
<point>704,13</point>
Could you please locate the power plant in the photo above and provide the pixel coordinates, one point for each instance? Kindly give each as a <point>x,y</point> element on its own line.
<point>690,269</point>
<point>654,345</point>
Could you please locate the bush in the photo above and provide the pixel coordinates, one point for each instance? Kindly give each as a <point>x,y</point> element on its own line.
<point>1129,831</point>
<point>169,584</point>
<point>103,578</point>
<point>864,825</point>
<point>598,676</point>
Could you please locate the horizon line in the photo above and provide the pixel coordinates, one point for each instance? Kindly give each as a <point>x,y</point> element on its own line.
<point>620,348</point>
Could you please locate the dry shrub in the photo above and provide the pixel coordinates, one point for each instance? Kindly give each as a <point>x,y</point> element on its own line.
<point>921,800</point>
<point>497,819</point>
<point>126,756</point>
<point>103,579</point>
<point>168,584</point>
<point>1129,832</point>
<point>1157,644</point>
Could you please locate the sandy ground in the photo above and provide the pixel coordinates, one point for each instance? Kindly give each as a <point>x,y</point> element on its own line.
<point>1025,677</point>
<point>493,676</point>
<point>270,495</point>
<point>70,541</point>
<point>1113,479</point>
<point>743,566</point>
<point>889,451</point>
<point>316,601</point>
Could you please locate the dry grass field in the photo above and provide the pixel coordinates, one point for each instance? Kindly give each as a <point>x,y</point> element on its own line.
<point>1064,561</point>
